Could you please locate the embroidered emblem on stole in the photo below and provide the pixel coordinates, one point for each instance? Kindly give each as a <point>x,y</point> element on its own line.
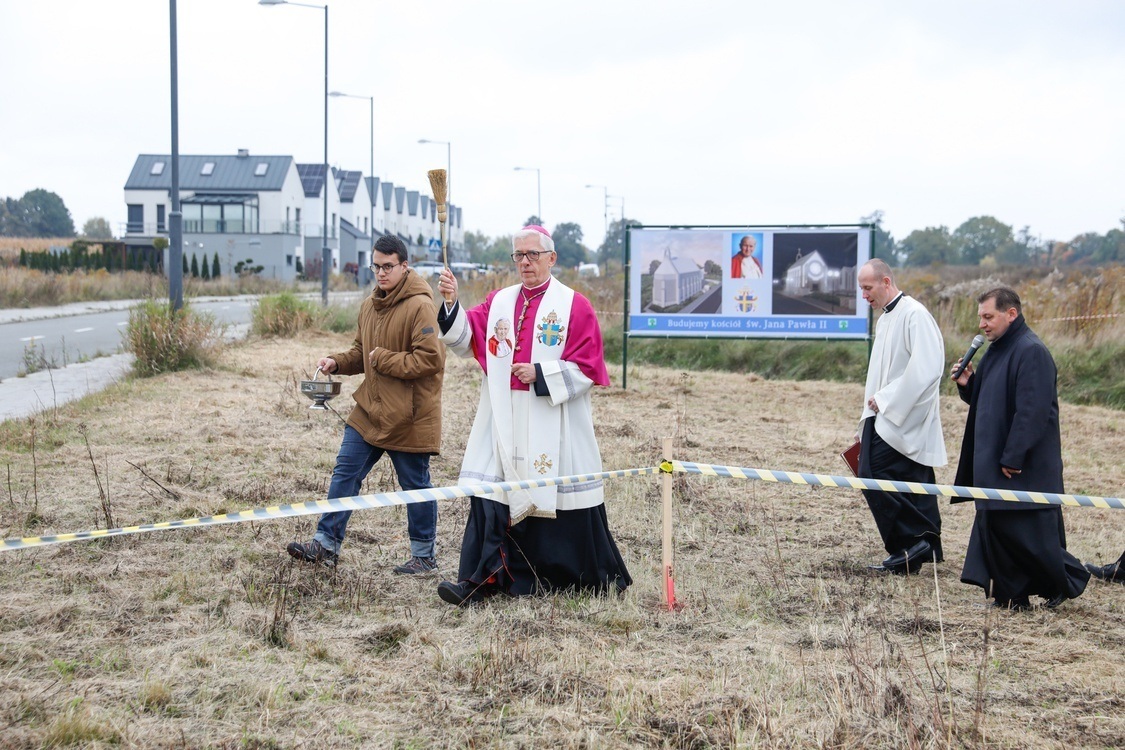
<point>550,330</point>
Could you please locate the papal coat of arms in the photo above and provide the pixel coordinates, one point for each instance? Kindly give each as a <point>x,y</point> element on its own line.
<point>747,301</point>
<point>550,331</point>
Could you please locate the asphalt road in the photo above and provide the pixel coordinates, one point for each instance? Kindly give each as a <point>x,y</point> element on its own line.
<point>70,338</point>
<point>85,331</point>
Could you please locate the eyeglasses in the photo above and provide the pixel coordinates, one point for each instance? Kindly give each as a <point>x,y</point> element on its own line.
<point>532,255</point>
<point>385,268</point>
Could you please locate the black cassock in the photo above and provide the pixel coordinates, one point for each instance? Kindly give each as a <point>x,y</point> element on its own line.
<point>1016,550</point>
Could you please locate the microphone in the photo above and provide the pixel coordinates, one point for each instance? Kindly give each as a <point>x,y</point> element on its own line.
<point>978,342</point>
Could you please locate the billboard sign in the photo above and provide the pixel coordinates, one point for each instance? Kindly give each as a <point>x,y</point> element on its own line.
<point>747,282</point>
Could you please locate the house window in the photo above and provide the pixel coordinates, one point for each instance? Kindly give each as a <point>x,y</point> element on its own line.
<point>160,217</point>
<point>193,218</point>
<point>157,168</point>
<point>260,170</point>
<point>212,218</point>
<point>288,260</point>
<point>208,168</point>
<point>297,228</point>
<point>136,224</point>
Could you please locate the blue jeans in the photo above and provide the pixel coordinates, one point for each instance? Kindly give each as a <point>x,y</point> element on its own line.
<point>353,463</point>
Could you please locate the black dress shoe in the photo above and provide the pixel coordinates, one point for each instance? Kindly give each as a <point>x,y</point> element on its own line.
<point>911,559</point>
<point>1055,601</point>
<point>1112,572</point>
<point>464,593</point>
<point>1020,604</point>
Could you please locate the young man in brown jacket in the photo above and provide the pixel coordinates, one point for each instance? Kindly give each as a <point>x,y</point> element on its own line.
<point>397,407</point>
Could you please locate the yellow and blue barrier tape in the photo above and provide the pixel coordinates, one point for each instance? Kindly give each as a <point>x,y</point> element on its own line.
<point>889,485</point>
<point>356,502</point>
<point>405,497</point>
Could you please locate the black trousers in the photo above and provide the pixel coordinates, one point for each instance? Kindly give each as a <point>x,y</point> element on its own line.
<point>902,518</point>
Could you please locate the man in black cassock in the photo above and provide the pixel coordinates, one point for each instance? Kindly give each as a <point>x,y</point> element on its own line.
<point>1012,441</point>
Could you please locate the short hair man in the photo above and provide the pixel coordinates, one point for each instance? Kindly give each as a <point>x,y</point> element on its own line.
<point>900,426</point>
<point>533,421</point>
<point>743,264</point>
<point>397,408</point>
<point>1012,441</point>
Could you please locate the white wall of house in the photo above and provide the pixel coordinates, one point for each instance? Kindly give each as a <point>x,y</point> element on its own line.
<point>149,199</point>
<point>277,209</point>
<point>313,217</point>
<point>358,211</point>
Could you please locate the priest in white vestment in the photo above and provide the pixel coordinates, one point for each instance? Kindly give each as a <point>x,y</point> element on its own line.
<point>901,422</point>
<point>533,421</point>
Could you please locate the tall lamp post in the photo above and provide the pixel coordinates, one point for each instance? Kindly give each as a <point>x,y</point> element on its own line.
<point>538,191</point>
<point>605,217</point>
<point>176,218</point>
<point>623,228</point>
<point>448,172</point>
<point>325,252</point>
<point>371,200</point>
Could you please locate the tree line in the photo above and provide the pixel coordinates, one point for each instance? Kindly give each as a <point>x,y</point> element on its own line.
<point>979,241</point>
<point>568,244</point>
<point>987,241</point>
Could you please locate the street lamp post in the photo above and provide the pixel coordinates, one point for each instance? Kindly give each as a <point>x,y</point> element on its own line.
<point>325,252</point>
<point>448,172</point>
<point>176,217</point>
<point>538,191</point>
<point>623,227</point>
<point>605,217</point>
<point>371,198</point>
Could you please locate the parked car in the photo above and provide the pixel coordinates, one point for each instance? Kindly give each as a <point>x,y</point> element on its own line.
<point>427,268</point>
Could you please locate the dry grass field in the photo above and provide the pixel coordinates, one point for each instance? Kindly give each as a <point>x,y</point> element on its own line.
<point>215,638</point>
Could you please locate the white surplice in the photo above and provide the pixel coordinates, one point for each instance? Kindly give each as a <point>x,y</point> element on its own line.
<point>904,374</point>
<point>517,435</point>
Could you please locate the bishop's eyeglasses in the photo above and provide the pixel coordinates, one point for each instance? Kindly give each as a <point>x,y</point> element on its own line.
<point>532,255</point>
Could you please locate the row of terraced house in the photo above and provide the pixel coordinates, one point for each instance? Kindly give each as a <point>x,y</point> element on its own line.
<point>268,211</point>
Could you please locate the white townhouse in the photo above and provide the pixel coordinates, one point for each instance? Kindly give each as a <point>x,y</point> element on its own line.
<point>318,190</point>
<point>268,211</point>
<point>241,207</point>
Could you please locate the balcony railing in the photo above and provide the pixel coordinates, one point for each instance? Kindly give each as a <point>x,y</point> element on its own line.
<point>218,226</point>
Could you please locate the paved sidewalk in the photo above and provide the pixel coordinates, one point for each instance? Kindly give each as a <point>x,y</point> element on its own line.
<point>46,389</point>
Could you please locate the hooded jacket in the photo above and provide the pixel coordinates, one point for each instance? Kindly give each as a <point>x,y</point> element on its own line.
<point>398,405</point>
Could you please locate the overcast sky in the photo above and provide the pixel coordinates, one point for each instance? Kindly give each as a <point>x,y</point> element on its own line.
<point>696,112</point>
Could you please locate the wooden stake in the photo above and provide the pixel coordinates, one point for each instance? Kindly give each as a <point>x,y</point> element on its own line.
<point>668,595</point>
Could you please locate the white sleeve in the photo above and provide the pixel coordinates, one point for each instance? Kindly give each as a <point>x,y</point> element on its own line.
<point>564,381</point>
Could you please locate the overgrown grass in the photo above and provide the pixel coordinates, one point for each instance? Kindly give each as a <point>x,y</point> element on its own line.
<point>163,340</point>
<point>286,315</point>
<point>25,287</point>
<point>214,637</point>
<point>1080,315</point>
<point>283,314</point>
